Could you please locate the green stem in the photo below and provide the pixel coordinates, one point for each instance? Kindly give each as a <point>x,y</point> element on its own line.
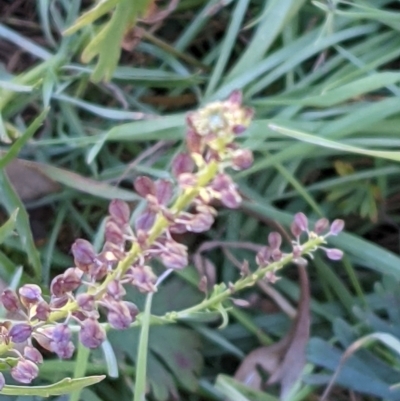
<point>141,368</point>
<point>244,282</point>
<point>80,368</point>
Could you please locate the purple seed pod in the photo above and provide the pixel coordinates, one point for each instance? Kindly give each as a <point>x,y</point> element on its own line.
<point>222,181</point>
<point>182,163</point>
<point>24,371</point>
<point>200,222</point>
<point>321,226</point>
<point>42,311</point>
<point>61,333</point>
<point>334,254</point>
<point>116,290</point>
<point>33,355</point>
<point>43,337</point>
<point>57,286</point>
<point>84,254</point>
<point>119,316</point>
<point>275,240</point>
<point>86,302</point>
<point>144,186</point>
<point>242,159</point>
<point>113,233</point>
<point>145,221</point>
<point>2,381</point>
<point>143,278</point>
<point>175,255</point>
<point>163,191</point>
<point>91,334</point>
<point>20,332</point>
<point>30,294</point>
<point>301,220</point>
<point>57,303</point>
<point>64,350</point>
<point>10,301</point>
<point>337,226</point>
<point>119,211</point>
<point>72,279</point>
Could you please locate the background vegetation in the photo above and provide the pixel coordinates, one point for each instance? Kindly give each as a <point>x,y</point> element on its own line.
<point>323,80</point>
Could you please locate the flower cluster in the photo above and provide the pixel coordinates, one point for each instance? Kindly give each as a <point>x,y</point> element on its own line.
<point>95,286</point>
<point>322,230</point>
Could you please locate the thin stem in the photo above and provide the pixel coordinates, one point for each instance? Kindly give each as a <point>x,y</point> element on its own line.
<point>140,380</point>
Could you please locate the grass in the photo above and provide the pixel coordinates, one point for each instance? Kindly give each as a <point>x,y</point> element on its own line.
<point>323,79</point>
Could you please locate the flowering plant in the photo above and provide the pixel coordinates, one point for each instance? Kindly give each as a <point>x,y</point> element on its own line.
<point>88,298</point>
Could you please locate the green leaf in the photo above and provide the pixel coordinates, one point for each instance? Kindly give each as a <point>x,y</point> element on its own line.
<point>103,7</point>
<point>20,142</point>
<point>64,386</point>
<point>10,200</point>
<point>8,227</point>
<point>236,391</point>
<point>317,140</point>
<point>106,45</point>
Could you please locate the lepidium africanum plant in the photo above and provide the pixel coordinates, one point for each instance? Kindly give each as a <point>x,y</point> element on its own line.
<point>95,287</point>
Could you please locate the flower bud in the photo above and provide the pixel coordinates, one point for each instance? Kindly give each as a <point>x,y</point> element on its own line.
<point>10,300</point>
<point>30,294</point>
<point>295,229</point>
<point>263,256</point>
<point>242,159</point>
<point>321,225</point>
<point>86,302</point>
<point>301,220</point>
<point>175,256</point>
<point>163,191</point>
<point>145,221</point>
<point>116,290</point>
<point>64,350</point>
<point>337,226</point>
<point>20,332</point>
<point>42,311</point>
<point>133,309</point>
<point>72,279</point>
<point>33,355</point>
<point>61,333</point>
<point>119,316</point>
<point>194,142</point>
<point>231,198</point>
<point>119,211</point>
<point>57,286</point>
<point>113,233</point>
<point>144,186</point>
<point>84,255</point>
<point>91,334</point>
<point>334,254</point>
<point>143,278</point>
<point>274,240</point>
<point>25,371</point>
<point>182,163</point>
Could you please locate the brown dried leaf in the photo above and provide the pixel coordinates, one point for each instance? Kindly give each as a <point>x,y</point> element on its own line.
<point>284,361</point>
<point>29,181</point>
